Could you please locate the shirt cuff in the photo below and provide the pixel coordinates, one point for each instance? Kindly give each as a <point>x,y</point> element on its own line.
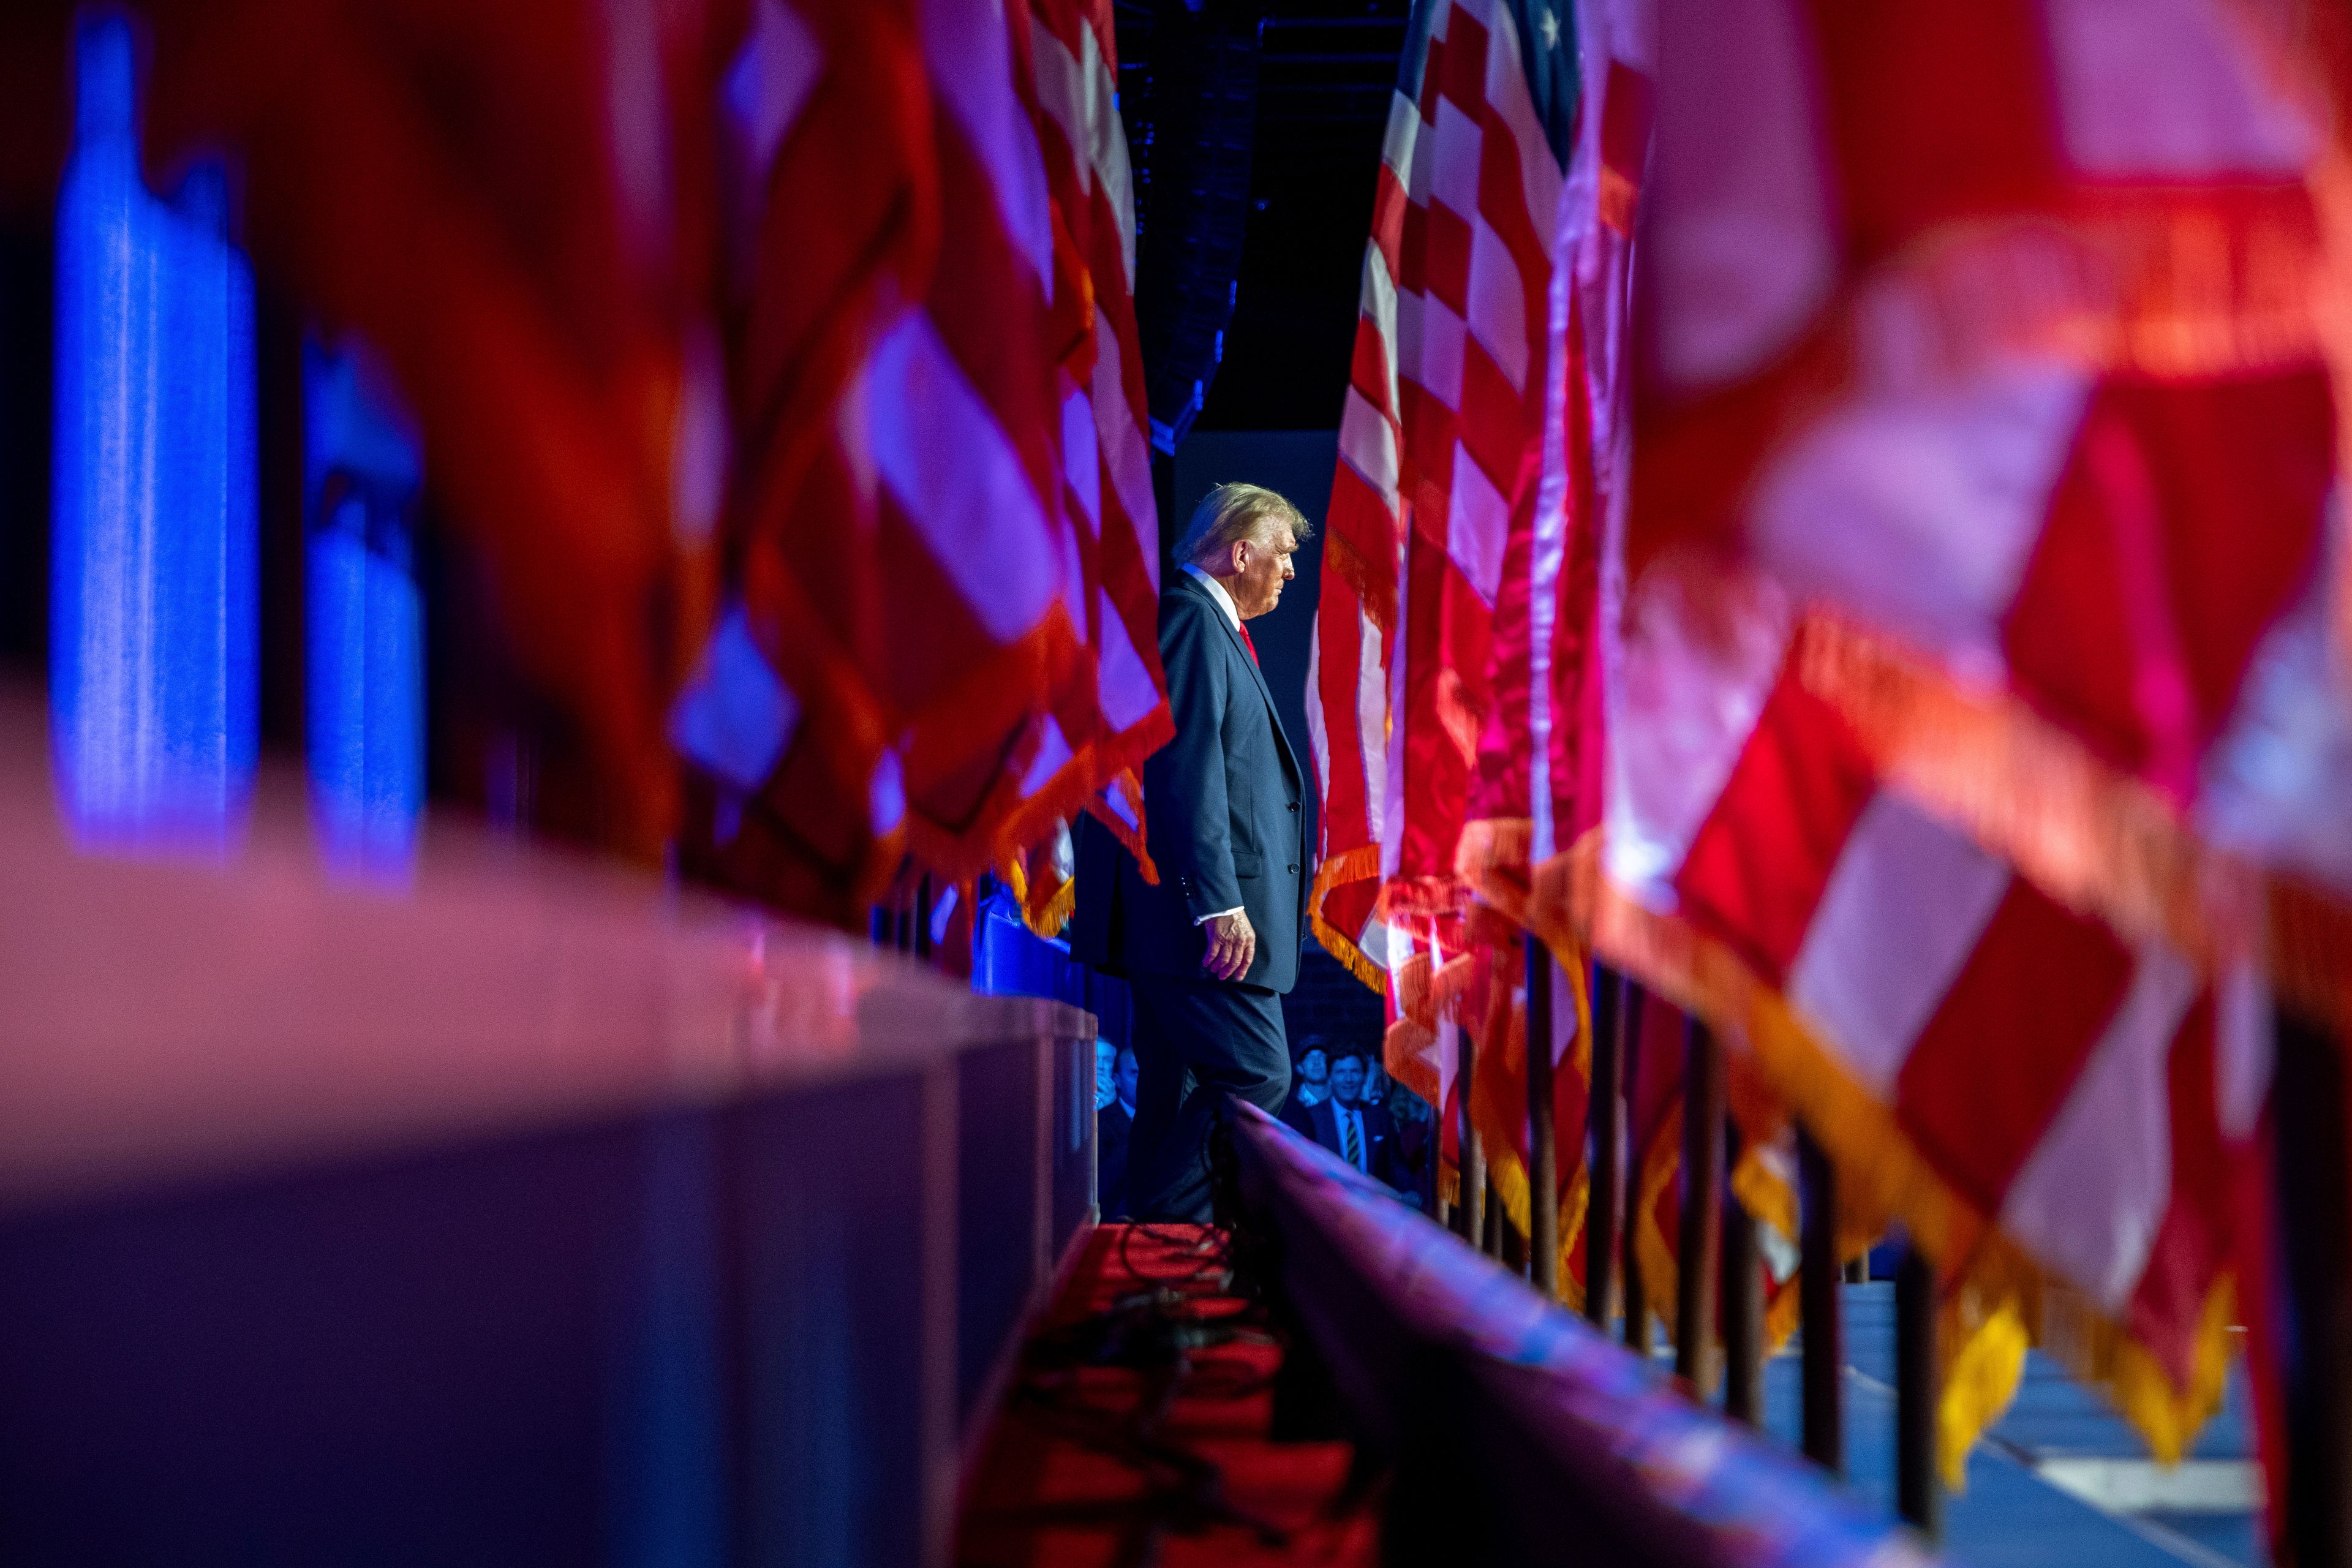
<point>1218,915</point>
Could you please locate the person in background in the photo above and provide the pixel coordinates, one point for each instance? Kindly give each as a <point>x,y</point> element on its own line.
<point>1416,1127</point>
<point>1359,1130</point>
<point>1113,1124</point>
<point>1310,1085</point>
<point>1129,1073</point>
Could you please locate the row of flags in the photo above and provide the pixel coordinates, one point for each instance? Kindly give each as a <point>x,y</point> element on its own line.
<point>1928,664</point>
<point>778,360</point>
<point>1897,611</point>
<point>1453,704</point>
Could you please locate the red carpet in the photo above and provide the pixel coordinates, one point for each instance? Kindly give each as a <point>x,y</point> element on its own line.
<point>1136,1430</point>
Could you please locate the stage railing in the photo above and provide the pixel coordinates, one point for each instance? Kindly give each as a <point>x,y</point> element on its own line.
<point>528,1213</point>
<point>1514,1430</point>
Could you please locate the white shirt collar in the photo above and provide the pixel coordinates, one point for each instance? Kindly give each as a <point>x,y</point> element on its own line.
<point>1217,592</point>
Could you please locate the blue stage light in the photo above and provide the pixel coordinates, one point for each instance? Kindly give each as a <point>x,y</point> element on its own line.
<point>364,662</point>
<point>153,625</point>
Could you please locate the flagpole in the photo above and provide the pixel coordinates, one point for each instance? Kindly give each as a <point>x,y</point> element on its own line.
<point>1743,1305</point>
<point>2307,1099</point>
<point>1822,1307</point>
<point>1629,1035</point>
<point>1471,1213</point>
<point>1604,1117</point>
<point>1543,1151</point>
<point>1701,1237</point>
<point>1917,1498</point>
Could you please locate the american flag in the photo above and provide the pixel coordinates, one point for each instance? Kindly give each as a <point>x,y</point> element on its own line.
<point>1971,349</point>
<point>1118,714</point>
<point>1438,443</point>
<point>909,614</point>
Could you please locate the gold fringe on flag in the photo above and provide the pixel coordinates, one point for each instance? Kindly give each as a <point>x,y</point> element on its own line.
<point>1498,1103</point>
<point>2092,839</point>
<point>1996,1297</point>
<point>1361,863</point>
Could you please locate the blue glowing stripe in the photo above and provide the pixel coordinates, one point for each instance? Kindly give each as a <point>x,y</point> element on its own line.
<point>154,616</point>
<point>365,661</point>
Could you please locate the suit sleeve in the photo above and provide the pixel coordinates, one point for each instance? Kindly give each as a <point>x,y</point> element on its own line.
<point>1191,835</point>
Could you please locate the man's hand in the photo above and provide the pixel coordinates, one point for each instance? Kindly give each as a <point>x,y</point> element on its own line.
<point>1233,943</point>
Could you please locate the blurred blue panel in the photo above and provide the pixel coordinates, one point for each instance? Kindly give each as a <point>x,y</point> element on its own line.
<point>153,628</point>
<point>364,659</point>
<point>1010,960</point>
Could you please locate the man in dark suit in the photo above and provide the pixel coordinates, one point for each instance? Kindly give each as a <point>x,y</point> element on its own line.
<point>1212,946</point>
<point>1357,1129</point>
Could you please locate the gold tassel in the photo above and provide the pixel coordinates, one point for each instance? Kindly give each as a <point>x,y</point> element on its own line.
<point>1881,1175</point>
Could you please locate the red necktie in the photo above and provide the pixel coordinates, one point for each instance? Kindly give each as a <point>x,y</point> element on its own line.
<point>1243,627</point>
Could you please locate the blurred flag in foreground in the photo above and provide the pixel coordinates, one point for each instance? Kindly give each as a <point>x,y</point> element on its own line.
<point>1982,463</point>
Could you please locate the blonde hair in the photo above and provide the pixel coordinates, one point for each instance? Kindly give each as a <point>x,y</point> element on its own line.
<point>1230,513</point>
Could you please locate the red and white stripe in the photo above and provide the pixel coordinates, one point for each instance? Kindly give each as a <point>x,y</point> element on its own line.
<point>912,584</point>
<point>2090,1099</point>
<point>1073,51</point>
<point>1442,419</point>
<point>1983,329</point>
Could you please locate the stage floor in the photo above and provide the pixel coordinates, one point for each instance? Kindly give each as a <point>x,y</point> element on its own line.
<point>1078,1472</point>
<point>1139,1429</point>
<point>2060,1481</point>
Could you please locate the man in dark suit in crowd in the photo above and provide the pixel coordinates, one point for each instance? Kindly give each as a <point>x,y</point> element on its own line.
<point>1357,1129</point>
<point>1213,945</point>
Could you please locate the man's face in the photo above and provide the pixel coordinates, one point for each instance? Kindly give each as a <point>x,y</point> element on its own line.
<point>1262,565</point>
<point>1347,1079</point>
<point>1106,1074</point>
<point>1128,1073</point>
<point>1314,1066</point>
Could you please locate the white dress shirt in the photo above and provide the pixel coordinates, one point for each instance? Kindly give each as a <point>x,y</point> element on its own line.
<point>1224,603</point>
<point>1217,592</point>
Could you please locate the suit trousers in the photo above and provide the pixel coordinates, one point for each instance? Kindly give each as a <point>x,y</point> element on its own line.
<point>1196,1041</point>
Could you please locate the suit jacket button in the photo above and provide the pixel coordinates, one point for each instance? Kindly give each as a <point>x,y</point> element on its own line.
<point>1294,805</point>
<point>1293,870</point>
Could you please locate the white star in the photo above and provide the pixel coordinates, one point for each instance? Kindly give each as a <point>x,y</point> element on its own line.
<point>1549,29</point>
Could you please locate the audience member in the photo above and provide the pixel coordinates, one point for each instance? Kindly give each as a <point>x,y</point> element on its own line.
<point>1310,1084</point>
<point>1416,1131</point>
<point>1359,1130</point>
<point>1114,1119</point>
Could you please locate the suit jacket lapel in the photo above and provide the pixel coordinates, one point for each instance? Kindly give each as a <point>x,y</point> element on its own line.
<point>1257,674</point>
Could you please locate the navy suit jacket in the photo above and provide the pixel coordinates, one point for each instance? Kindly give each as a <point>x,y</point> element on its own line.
<point>1382,1160</point>
<point>1113,1127</point>
<point>1224,811</point>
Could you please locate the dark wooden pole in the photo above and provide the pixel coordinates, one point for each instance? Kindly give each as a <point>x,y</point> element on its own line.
<point>1818,1291</point>
<point>1917,1497</point>
<point>2308,1107</point>
<point>1605,1119</point>
<point>1637,1294</point>
<point>1473,1163</point>
<point>1543,1145</point>
<point>1701,1240</point>
<point>1743,1306</point>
